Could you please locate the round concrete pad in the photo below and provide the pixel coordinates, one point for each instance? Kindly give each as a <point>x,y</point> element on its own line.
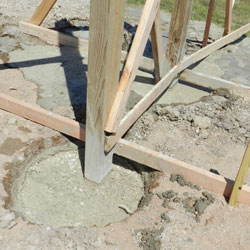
<point>52,191</point>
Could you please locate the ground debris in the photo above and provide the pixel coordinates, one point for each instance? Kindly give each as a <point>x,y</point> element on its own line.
<point>182,182</point>
<point>151,239</point>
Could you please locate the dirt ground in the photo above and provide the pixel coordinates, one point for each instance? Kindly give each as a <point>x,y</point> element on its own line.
<point>211,132</point>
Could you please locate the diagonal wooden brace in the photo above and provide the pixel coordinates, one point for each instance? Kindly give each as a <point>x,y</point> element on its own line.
<point>42,11</point>
<point>158,89</point>
<point>132,65</point>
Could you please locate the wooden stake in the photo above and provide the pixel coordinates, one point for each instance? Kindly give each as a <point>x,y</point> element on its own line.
<point>208,23</point>
<point>228,20</point>
<point>105,42</point>
<point>132,64</point>
<point>42,11</point>
<point>242,173</point>
<point>178,32</point>
<point>157,47</point>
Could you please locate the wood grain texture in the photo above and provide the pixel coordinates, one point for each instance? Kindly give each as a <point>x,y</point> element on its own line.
<point>52,36</point>
<point>228,18</point>
<point>105,42</point>
<point>148,157</point>
<point>178,32</point>
<point>164,83</point>
<point>130,118</point>
<point>42,116</point>
<point>210,82</point>
<point>58,38</point>
<point>133,61</point>
<point>207,180</point>
<point>241,176</point>
<point>157,47</point>
<point>42,11</point>
<point>208,23</point>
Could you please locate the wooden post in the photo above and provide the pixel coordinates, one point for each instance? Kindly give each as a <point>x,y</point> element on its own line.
<point>228,20</point>
<point>157,47</point>
<point>42,11</point>
<point>178,32</point>
<point>208,23</point>
<point>105,43</point>
<point>132,64</point>
<point>240,177</point>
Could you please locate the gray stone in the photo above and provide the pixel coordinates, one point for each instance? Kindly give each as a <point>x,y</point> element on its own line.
<point>9,217</point>
<point>242,130</point>
<point>12,121</point>
<point>7,221</point>
<point>202,122</point>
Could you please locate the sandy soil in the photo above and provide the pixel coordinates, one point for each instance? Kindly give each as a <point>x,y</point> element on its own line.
<point>211,133</point>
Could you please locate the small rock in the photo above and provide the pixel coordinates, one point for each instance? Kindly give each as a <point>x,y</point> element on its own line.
<point>7,221</point>
<point>179,179</point>
<point>165,203</point>
<point>202,122</point>
<point>204,134</point>
<point>176,200</point>
<point>171,112</point>
<point>188,202</point>
<point>9,217</point>
<point>171,208</point>
<point>168,194</point>
<point>165,217</point>
<point>197,187</point>
<point>11,224</point>
<point>12,121</point>
<point>242,131</point>
<point>159,195</point>
<point>200,206</point>
<point>208,196</point>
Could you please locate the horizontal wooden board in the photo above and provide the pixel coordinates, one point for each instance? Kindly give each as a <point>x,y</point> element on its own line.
<point>209,181</point>
<point>42,116</point>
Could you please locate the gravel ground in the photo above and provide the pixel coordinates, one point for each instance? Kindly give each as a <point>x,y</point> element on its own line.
<point>174,215</point>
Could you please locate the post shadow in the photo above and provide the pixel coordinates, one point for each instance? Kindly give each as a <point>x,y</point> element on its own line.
<point>76,83</point>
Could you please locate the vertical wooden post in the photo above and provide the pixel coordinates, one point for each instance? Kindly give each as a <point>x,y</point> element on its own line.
<point>228,20</point>
<point>157,46</point>
<point>178,32</point>
<point>42,11</point>
<point>208,23</point>
<point>105,43</point>
<point>239,181</point>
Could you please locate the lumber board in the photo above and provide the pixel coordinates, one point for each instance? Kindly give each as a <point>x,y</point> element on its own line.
<point>42,116</point>
<point>208,23</point>
<point>240,178</point>
<point>178,32</point>
<point>210,82</point>
<point>204,52</point>
<point>42,11</point>
<point>135,152</point>
<point>52,36</point>
<point>165,82</point>
<point>57,38</point>
<point>104,55</point>
<point>228,18</point>
<point>209,181</point>
<point>130,118</point>
<point>157,47</point>
<point>132,64</point>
